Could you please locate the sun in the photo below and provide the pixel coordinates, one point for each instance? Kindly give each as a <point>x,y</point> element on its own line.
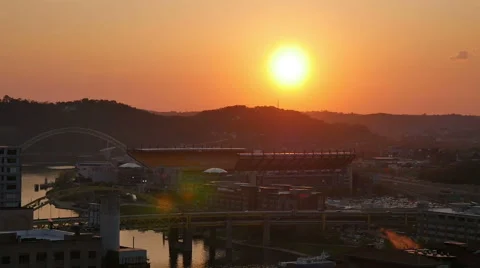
<point>289,66</point>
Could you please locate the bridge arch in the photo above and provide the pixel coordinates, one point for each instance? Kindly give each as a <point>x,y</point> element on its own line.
<point>76,130</point>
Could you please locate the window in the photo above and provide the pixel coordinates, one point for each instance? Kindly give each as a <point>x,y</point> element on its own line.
<point>11,160</point>
<point>24,258</point>
<point>92,266</point>
<point>59,256</point>
<point>5,260</point>
<point>11,186</point>
<point>11,178</point>
<point>12,152</point>
<point>92,254</point>
<point>75,255</point>
<point>41,256</point>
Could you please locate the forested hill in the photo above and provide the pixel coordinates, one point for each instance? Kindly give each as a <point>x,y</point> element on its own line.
<point>395,126</point>
<point>261,127</point>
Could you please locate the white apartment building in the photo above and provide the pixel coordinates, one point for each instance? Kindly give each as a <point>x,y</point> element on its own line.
<point>10,177</point>
<point>460,222</point>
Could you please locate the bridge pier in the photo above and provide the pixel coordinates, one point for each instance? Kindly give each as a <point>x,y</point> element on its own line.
<point>212,237</point>
<point>324,222</point>
<point>187,240</point>
<point>266,232</point>
<point>229,239</point>
<point>173,259</point>
<point>173,240</point>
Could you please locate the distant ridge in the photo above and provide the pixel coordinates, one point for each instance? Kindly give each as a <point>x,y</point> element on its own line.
<point>396,126</point>
<point>265,128</point>
<point>173,113</point>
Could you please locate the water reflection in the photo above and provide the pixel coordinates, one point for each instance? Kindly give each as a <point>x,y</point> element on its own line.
<point>157,248</point>
<point>29,179</point>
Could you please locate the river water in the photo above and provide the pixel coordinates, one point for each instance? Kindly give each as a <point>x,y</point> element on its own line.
<point>157,249</point>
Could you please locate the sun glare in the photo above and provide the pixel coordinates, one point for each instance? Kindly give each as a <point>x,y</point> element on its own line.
<point>289,66</point>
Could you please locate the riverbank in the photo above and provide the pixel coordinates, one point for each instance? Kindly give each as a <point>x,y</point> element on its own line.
<point>242,243</point>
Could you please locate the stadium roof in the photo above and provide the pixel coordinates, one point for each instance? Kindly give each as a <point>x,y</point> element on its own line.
<point>237,159</point>
<point>294,161</point>
<point>192,158</point>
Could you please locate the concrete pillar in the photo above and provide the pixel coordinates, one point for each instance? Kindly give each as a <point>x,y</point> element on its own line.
<point>228,233</point>
<point>212,236</point>
<point>187,259</point>
<point>110,222</point>
<point>324,222</point>
<point>187,240</point>
<point>173,259</point>
<point>266,232</point>
<point>172,239</point>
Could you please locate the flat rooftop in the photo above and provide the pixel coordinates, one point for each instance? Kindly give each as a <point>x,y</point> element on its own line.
<point>393,257</point>
<point>127,249</point>
<point>189,149</point>
<point>325,160</point>
<point>453,212</point>
<point>40,234</point>
<point>298,154</point>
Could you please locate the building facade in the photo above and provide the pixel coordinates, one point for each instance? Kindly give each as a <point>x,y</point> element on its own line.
<point>10,177</point>
<point>97,171</point>
<point>246,197</point>
<point>460,223</point>
<point>16,218</point>
<point>323,171</point>
<point>49,249</point>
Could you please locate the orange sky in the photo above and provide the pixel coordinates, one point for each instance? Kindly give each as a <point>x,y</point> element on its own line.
<point>368,56</point>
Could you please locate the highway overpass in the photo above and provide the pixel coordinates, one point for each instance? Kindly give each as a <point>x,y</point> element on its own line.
<point>242,218</point>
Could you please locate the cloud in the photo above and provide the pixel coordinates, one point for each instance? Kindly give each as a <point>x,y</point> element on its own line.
<point>461,55</point>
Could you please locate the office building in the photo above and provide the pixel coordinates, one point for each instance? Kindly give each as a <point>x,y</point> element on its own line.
<point>10,177</point>
<point>49,249</point>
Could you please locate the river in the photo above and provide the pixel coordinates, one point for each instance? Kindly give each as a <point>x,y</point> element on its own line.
<point>157,250</point>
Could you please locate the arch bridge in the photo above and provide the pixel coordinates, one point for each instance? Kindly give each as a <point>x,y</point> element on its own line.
<point>77,130</point>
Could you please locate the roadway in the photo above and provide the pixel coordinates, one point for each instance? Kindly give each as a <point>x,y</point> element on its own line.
<point>425,187</point>
<point>251,217</point>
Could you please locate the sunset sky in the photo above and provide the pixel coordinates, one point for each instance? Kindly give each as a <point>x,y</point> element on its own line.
<point>367,56</point>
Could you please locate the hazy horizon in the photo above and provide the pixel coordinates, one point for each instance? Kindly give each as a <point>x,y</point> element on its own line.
<point>248,106</point>
<point>398,57</point>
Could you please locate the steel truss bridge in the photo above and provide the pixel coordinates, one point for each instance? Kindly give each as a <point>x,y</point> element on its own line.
<point>78,130</point>
<point>163,222</point>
